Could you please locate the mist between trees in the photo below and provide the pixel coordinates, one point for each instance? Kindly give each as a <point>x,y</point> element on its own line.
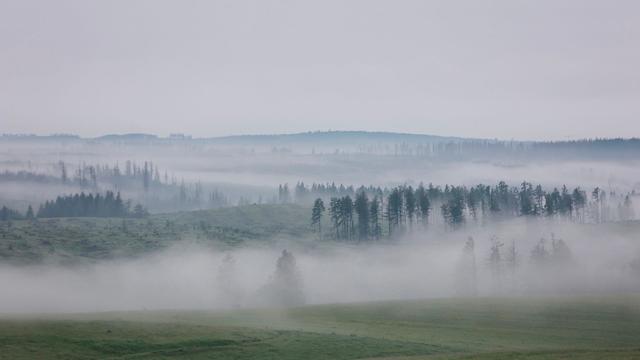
<point>511,259</point>
<point>144,183</point>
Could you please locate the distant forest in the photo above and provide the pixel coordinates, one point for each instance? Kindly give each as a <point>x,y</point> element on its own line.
<point>83,205</point>
<point>80,205</point>
<point>379,143</point>
<point>151,186</point>
<point>593,149</point>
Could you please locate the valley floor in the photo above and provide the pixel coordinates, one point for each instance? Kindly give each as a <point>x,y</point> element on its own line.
<point>480,328</point>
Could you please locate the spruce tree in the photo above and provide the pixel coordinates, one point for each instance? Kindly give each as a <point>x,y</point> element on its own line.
<point>30,214</point>
<point>374,216</point>
<point>362,211</point>
<point>316,215</point>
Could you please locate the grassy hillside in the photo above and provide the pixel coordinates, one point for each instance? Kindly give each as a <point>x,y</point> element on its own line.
<point>557,328</point>
<point>74,239</point>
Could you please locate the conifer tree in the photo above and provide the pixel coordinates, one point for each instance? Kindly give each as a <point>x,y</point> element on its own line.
<point>374,216</point>
<point>362,211</point>
<point>30,214</point>
<point>424,204</point>
<point>316,215</point>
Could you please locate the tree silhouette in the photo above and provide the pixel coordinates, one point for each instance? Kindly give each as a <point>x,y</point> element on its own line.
<point>316,215</point>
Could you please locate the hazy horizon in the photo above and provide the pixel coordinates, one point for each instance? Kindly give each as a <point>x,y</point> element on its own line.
<point>293,133</point>
<point>540,70</point>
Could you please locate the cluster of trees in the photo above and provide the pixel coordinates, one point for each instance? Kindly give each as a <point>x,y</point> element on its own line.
<point>156,190</point>
<point>403,207</point>
<point>342,210</point>
<point>307,194</point>
<point>503,263</point>
<point>303,193</point>
<point>83,205</point>
<point>144,180</point>
<point>89,176</point>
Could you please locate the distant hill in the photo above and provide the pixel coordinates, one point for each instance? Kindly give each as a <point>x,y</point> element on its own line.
<point>346,137</point>
<point>381,143</point>
<point>338,137</point>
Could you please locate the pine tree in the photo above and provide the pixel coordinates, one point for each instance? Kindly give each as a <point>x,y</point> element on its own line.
<point>362,211</point>
<point>424,205</point>
<point>410,204</point>
<point>512,261</point>
<point>394,209</point>
<point>335,214</point>
<point>467,273</point>
<point>453,209</point>
<point>374,216</point>
<point>495,264</point>
<point>346,211</point>
<point>63,171</point>
<point>316,215</point>
<point>287,283</point>
<point>540,254</point>
<point>30,214</point>
<point>527,204</point>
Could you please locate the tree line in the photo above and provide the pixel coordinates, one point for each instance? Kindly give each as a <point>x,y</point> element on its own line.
<point>152,187</point>
<point>90,205</point>
<point>374,212</point>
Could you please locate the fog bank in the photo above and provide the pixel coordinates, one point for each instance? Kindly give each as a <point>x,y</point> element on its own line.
<point>420,266</point>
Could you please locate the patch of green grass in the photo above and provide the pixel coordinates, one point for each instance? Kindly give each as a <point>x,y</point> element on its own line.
<point>486,328</point>
<point>124,339</point>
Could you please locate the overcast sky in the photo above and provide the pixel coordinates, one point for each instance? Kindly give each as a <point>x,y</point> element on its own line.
<point>508,69</point>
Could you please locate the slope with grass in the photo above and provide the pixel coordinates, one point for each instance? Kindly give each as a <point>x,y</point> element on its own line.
<point>541,328</point>
<point>78,239</point>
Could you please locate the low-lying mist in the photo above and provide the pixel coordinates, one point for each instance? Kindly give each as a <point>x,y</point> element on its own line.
<point>596,259</point>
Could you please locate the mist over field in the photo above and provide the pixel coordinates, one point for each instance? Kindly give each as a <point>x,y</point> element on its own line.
<point>418,266</point>
<point>364,179</point>
<point>216,260</point>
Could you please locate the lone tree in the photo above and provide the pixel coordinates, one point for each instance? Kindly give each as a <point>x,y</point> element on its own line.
<point>539,253</point>
<point>287,289</point>
<point>316,216</point>
<point>467,280</point>
<point>560,252</point>
<point>495,263</point>
<point>512,262</point>
<point>229,294</point>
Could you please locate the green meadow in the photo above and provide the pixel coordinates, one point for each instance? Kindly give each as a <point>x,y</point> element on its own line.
<point>479,328</point>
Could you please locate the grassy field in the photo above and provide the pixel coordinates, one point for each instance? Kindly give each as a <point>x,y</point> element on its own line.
<point>484,328</point>
<point>78,239</point>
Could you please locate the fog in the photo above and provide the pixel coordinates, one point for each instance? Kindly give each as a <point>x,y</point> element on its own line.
<point>252,169</point>
<point>600,257</point>
<point>603,259</point>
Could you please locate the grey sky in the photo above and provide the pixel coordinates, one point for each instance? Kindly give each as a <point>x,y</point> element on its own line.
<point>507,69</point>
